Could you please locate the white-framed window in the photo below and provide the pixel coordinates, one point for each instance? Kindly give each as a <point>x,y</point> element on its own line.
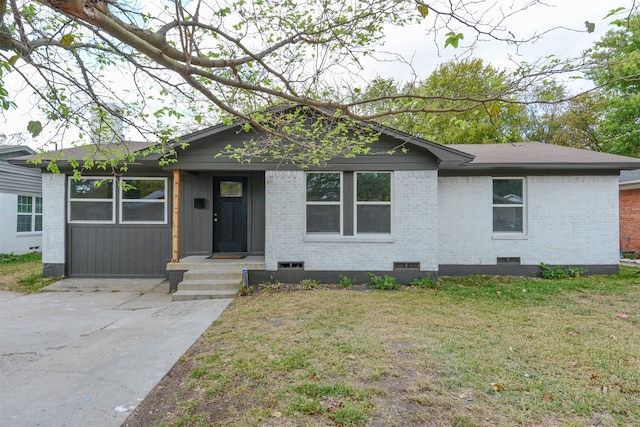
<point>324,202</point>
<point>92,200</point>
<point>373,203</point>
<point>143,200</point>
<point>509,205</point>
<point>29,214</point>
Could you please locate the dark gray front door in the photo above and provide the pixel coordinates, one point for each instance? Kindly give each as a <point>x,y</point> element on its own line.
<point>229,214</point>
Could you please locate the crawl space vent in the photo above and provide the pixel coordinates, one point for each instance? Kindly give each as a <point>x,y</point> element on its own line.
<point>291,265</point>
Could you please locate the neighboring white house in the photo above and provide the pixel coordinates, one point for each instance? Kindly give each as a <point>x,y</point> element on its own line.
<point>20,203</point>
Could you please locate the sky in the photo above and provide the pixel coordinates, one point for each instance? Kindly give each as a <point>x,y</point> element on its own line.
<point>411,42</point>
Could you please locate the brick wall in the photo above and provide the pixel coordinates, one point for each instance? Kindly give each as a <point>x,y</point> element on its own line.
<point>413,237</point>
<point>569,220</point>
<point>53,220</point>
<point>630,220</point>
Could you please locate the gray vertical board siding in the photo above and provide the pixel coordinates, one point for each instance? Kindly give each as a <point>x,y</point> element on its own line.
<point>20,180</point>
<point>201,156</point>
<point>196,225</point>
<point>118,251</point>
<point>256,214</point>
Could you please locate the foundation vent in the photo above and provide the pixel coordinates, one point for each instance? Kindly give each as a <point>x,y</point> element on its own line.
<point>406,266</point>
<point>508,260</point>
<point>291,265</point>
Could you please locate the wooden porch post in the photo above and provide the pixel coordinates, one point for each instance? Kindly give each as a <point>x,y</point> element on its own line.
<point>175,241</point>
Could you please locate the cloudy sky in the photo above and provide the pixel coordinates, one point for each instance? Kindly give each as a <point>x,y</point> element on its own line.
<point>412,43</point>
<point>567,39</point>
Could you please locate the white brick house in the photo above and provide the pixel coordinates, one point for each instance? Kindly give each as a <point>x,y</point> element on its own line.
<point>432,210</point>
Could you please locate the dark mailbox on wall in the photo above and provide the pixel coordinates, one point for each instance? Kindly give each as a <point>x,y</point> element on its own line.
<point>198,203</point>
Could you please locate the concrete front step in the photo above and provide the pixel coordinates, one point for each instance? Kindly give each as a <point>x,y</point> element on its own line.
<point>200,295</point>
<point>212,274</point>
<point>209,284</point>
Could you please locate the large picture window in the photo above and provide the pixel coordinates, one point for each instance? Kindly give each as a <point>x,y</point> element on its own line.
<point>324,198</point>
<point>508,205</point>
<point>91,200</point>
<point>142,200</point>
<point>373,202</point>
<point>29,214</point>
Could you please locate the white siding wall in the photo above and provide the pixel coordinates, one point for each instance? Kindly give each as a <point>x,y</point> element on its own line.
<point>413,237</point>
<point>10,240</point>
<point>53,220</point>
<point>569,220</point>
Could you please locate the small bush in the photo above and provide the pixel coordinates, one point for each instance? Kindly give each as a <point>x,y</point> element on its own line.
<point>346,282</point>
<point>384,283</point>
<point>560,272</point>
<point>424,282</point>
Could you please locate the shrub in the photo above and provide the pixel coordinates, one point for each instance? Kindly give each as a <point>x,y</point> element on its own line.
<point>424,282</point>
<point>559,272</point>
<point>346,282</point>
<point>385,283</point>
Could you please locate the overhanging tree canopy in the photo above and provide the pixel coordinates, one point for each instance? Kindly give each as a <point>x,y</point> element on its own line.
<point>198,61</point>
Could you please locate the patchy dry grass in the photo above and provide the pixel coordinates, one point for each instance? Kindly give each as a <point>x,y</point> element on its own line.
<point>22,273</point>
<point>471,352</point>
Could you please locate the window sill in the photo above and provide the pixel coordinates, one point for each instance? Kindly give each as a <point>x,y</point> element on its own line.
<point>510,236</point>
<point>349,239</point>
<point>28,233</point>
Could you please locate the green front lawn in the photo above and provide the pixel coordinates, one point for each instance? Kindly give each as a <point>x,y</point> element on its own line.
<point>22,273</point>
<point>471,351</point>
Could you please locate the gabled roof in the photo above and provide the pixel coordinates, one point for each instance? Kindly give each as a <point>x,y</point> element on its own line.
<point>537,155</point>
<point>448,156</point>
<point>12,151</point>
<point>96,152</point>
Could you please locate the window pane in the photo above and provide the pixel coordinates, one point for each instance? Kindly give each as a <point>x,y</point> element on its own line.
<point>150,189</point>
<point>323,218</point>
<point>374,187</point>
<point>38,204</point>
<point>91,189</point>
<point>91,211</point>
<point>38,225</point>
<point>507,191</point>
<point>374,219</point>
<point>323,187</point>
<point>143,211</point>
<point>507,219</point>
<point>24,204</point>
<point>230,189</point>
<point>24,223</point>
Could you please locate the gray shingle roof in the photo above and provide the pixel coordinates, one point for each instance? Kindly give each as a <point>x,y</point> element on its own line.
<point>535,155</point>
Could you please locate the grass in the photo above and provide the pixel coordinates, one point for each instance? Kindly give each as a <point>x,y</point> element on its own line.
<point>23,273</point>
<point>465,352</point>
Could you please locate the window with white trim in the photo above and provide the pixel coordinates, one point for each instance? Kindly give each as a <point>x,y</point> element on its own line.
<point>508,205</point>
<point>324,202</point>
<point>143,200</point>
<point>29,214</point>
<point>373,202</point>
<point>92,200</point>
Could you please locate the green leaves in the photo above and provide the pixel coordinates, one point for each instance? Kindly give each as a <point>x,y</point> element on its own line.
<point>34,128</point>
<point>591,27</point>
<point>67,39</point>
<point>453,39</point>
<point>424,10</point>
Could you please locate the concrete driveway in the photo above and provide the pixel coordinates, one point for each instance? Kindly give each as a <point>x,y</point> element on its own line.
<point>89,351</point>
